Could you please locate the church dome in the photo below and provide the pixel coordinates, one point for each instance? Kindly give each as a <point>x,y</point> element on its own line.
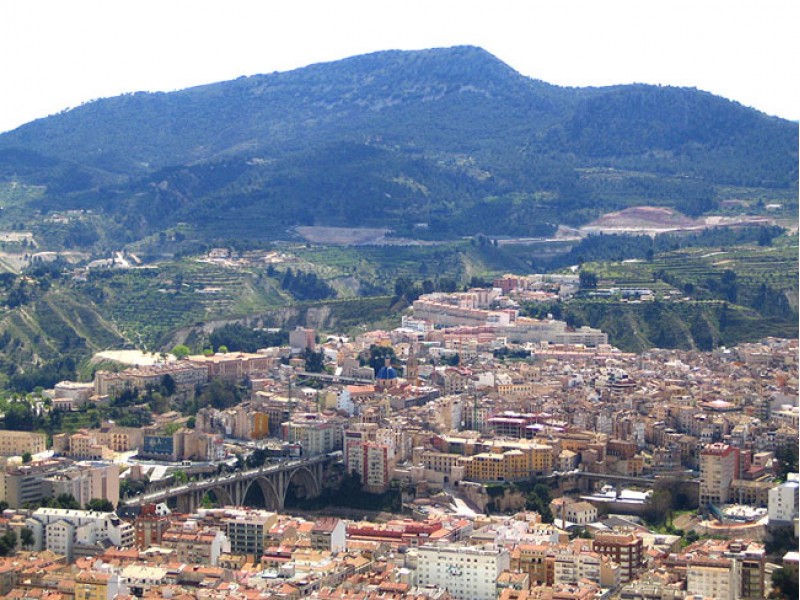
<point>387,372</point>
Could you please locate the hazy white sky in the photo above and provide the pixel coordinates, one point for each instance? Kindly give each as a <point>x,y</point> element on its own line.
<point>56,54</point>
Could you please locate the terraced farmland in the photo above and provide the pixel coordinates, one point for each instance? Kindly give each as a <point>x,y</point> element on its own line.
<point>734,294</point>
<point>147,303</point>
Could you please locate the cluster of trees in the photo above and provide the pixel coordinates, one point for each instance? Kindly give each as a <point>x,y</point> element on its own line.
<point>617,247</point>
<point>220,394</point>
<point>541,310</point>
<point>725,286</point>
<point>315,361</point>
<point>256,459</point>
<point>80,234</point>
<point>304,286</point>
<point>787,455</point>
<point>505,352</point>
<point>20,416</point>
<point>238,338</point>
<point>36,279</point>
<point>44,376</point>
<point>766,299</point>
<point>785,581</point>
<point>666,498</point>
<point>125,407</point>
<point>407,290</point>
<point>8,541</point>
<point>350,494</point>
<point>538,499</point>
<point>588,280</point>
<point>376,358</point>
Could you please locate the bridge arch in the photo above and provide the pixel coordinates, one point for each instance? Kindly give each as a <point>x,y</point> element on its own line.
<point>305,481</point>
<point>272,498</point>
<point>222,495</point>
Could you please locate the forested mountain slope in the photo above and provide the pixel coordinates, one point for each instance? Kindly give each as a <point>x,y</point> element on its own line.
<point>438,143</point>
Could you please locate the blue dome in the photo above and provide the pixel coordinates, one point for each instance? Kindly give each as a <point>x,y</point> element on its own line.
<point>387,372</point>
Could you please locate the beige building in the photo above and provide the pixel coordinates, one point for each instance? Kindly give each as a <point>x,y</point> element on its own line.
<point>247,532</point>
<point>68,395</point>
<point>234,366</point>
<point>85,482</point>
<point>316,433</point>
<point>186,375</point>
<point>17,443</point>
<point>194,545</point>
<point>579,512</point>
<point>712,578</point>
<point>98,444</point>
<point>23,484</point>
<point>575,563</point>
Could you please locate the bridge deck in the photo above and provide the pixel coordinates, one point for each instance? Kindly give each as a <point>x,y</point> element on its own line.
<point>220,480</point>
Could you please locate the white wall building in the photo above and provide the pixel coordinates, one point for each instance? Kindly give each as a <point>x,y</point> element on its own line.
<point>60,530</point>
<point>466,572</point>
<point>783,502</point>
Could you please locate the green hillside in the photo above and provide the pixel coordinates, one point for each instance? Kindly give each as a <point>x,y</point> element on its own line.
<point>435,144</point>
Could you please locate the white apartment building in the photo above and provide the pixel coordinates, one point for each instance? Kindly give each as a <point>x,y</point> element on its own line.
<point>61,530</point>
<point>466,572</point>
<point>783,502</point>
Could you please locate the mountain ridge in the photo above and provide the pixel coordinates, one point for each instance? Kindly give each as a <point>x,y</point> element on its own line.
<point>452,138</point>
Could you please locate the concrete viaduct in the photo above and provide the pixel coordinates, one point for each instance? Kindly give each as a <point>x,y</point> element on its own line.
<point>307,474</point>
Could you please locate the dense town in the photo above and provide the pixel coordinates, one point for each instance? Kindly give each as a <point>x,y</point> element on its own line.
<point>471,453</point>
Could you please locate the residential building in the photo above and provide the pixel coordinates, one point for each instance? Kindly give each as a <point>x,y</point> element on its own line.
<point>535,560</point>
<point>316,433</point>
<point>467,572</point>
<point>70,395</point>
<point>140,579</point>
<point>196,545</point>
<point>84,482</point>
<point>329,533</point>
<point>712,577</point>
<point>24,484</point>
<point>719,465</point>
<point>301,339</point>
<point>95,585</point>
<point>247,532</point>
<point>625,549</point>
<point>149,527</point>
<point>372,461</point>
<point>67,532</point>
<point>186,376</point>
<point>783,502</point>
<point>184,444</point>
<point>17,443</point>
<point>578,512</point>
<point>232,366</point>
<point>578,562</point>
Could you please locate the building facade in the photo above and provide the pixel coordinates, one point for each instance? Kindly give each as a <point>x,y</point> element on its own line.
<point>466,572</point>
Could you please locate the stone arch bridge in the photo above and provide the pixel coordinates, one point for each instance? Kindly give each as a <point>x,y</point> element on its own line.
<point>307,475</point>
